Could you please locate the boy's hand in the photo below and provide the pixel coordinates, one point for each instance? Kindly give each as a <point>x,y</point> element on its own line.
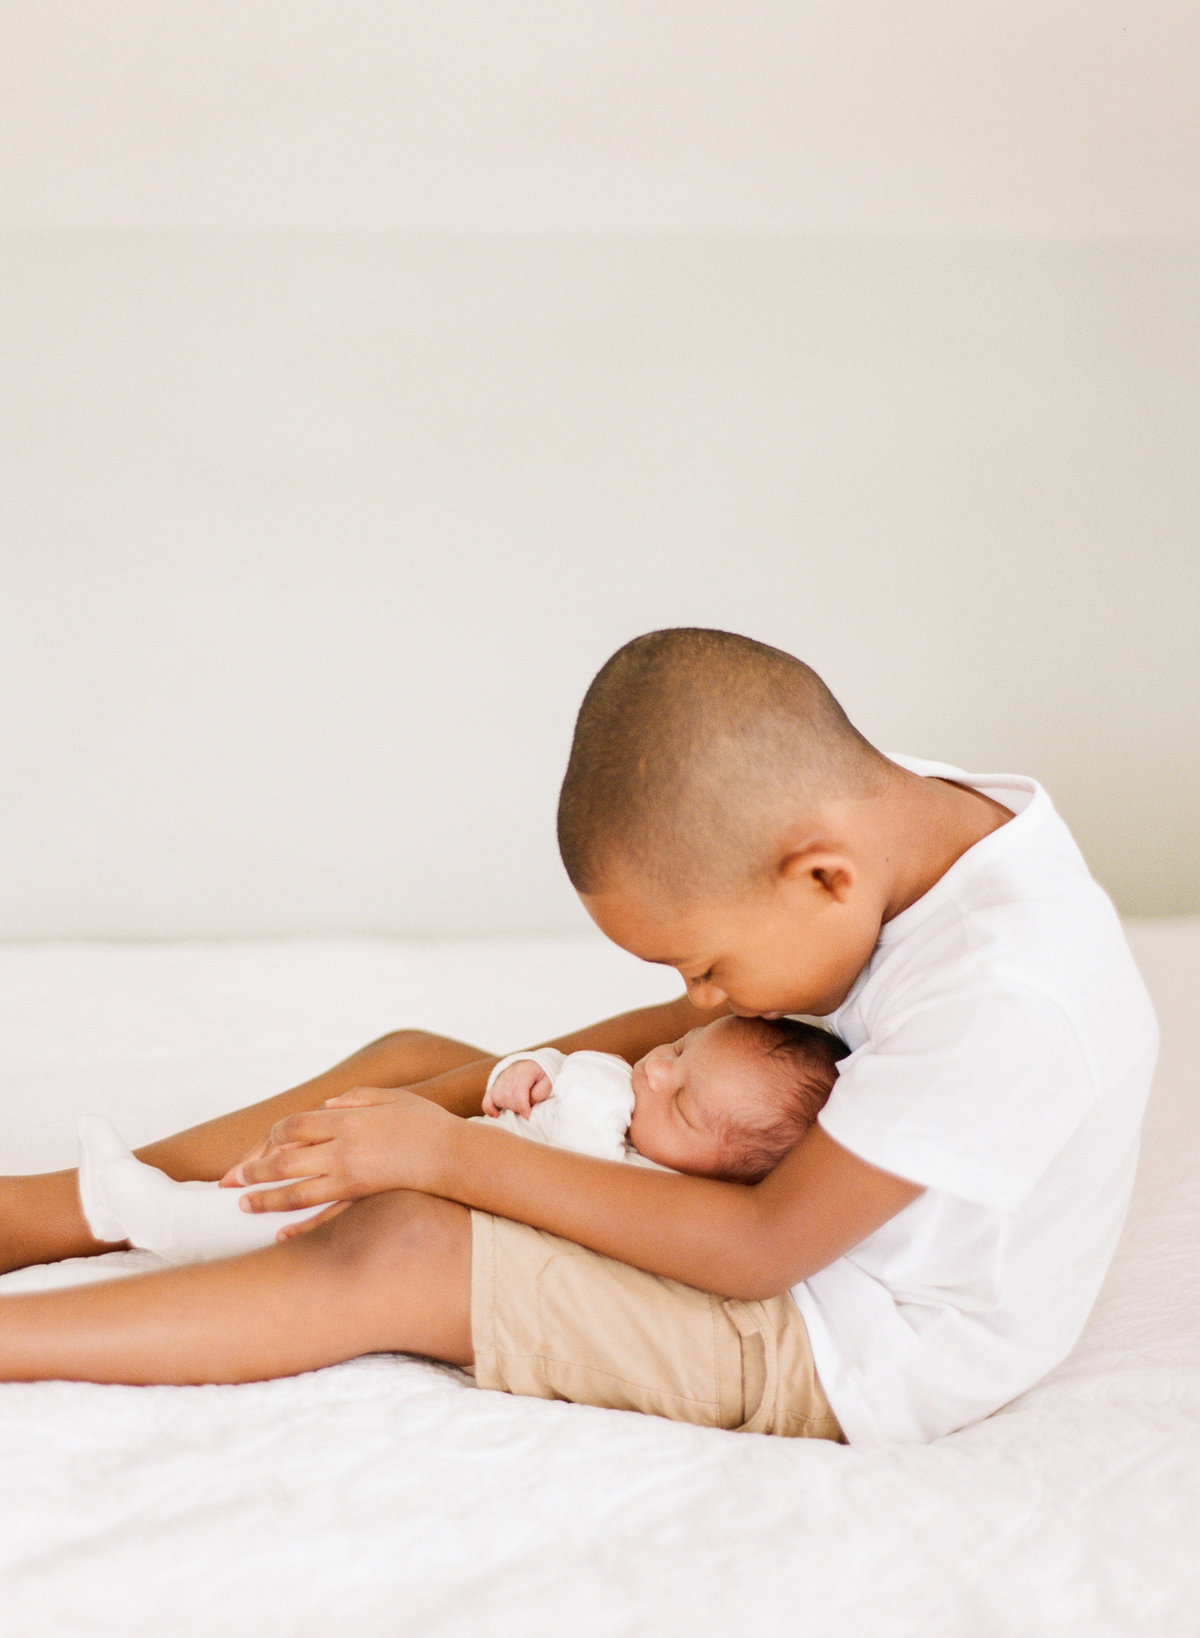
<point>363,1142</point>
<point>518,1088</point>
<point>233,1178</point>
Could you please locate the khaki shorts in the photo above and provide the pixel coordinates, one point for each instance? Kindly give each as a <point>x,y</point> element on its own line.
<point>553,1320</point>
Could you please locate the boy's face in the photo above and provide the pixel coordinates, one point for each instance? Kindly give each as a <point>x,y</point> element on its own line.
<point>796,945</point>
<point>684,1093</point>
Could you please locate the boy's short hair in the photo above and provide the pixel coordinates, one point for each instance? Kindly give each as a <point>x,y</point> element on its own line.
<point>755,1136</point>
<point>689,746</point>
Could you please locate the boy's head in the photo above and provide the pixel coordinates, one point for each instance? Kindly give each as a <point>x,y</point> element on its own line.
<point>732,1097</point>
<point>704,816</point>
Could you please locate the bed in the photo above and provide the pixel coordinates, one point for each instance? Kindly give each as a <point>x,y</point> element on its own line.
<point>390,1496</point>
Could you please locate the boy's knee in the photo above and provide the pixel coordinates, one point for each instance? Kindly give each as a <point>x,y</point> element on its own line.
<point>415,1038</point>
<point>419,1054</point>
<point>386,1234</point>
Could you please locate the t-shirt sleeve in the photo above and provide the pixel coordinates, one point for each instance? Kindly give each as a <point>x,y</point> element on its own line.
<point>971,1093</point>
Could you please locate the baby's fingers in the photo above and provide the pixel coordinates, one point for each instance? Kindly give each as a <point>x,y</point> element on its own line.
<point>535,1091</point>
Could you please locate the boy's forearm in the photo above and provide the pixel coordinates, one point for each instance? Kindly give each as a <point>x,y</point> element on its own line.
<point>709,1234</point>
<point>751,1241</point>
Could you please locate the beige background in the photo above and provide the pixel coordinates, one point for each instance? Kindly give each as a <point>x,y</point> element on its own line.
<point>1008,117</point>
<point>370,372</point>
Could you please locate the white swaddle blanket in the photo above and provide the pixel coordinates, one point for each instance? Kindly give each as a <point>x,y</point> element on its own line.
<point>589,1109</point>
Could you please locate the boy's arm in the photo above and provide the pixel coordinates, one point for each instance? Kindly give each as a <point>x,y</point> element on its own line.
<point>739,1240</point>
<point>751,1241</point>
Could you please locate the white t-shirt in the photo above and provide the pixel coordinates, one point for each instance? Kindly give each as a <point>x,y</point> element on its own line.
<point>1002,1048</point>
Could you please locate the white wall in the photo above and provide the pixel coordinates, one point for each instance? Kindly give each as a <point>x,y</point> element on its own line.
<point>310,541</point>
<point>787,116</point>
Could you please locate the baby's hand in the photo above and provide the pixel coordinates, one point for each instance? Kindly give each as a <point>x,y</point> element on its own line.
<point>518,1087</point>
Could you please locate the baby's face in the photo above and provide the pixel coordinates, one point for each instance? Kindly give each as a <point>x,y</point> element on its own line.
<point>684,1091</point>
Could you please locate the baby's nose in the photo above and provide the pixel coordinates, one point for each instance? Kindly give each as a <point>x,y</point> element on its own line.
<point>658,1071</point>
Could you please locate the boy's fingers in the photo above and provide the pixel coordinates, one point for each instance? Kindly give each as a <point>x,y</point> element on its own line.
<point>304,1160</point>
<point>326,1216</point>
<point>310,1191</point>
<point>359,1097</point>
<point>313,1126</point>
<point>233,1177</point>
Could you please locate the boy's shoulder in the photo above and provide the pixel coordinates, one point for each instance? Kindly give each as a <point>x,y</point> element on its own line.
<point>1022,885</point>
<point>996,1014</point>
<point>1018,917</point>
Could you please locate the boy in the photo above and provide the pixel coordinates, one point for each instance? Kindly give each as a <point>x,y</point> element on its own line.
<point>729,1100</point>
<point>928,1250</point>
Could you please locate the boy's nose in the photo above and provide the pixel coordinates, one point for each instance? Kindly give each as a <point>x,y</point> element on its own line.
<point>703,993</point>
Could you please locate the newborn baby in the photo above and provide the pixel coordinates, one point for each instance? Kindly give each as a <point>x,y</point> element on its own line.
<point>728,1100</point>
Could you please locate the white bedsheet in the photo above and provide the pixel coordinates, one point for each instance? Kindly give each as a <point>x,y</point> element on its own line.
<point>391,1497</point>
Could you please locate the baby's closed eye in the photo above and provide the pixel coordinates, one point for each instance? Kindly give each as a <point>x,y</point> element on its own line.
<point>683,1114</point>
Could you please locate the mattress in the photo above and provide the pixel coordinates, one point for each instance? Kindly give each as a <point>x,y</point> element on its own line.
<point>391,1496</point>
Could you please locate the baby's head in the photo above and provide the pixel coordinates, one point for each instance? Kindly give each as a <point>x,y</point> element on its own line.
<point>732,1097</point>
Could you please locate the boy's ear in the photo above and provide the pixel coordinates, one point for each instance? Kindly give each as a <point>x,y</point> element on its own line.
<point>824,869</point>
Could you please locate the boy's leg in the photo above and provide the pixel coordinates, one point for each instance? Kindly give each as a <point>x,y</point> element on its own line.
<point>40,1216</point>
<point>207,1152</point>
<point>393,1273</point>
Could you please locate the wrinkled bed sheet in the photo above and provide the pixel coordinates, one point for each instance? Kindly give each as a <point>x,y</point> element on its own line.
<point>391,1497</point>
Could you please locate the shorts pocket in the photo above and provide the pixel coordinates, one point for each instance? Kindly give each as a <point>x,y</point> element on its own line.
<point>759,1365</point>
<point>614,1336</point>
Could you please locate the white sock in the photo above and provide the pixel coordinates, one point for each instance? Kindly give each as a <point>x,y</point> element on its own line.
<point>124,1199</point>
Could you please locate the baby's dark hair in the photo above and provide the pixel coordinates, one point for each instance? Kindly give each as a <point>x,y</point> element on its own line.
<point>755,1136</point>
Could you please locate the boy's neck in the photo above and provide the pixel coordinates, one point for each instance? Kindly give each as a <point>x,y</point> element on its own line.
<point>943,819</point>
